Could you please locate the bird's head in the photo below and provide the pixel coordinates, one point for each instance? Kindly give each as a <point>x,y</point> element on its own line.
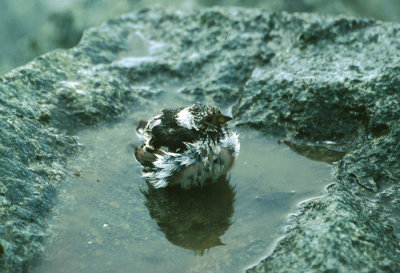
<point>203,118</point>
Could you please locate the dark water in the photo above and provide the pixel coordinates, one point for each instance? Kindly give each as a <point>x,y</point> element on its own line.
<point>107,220</point>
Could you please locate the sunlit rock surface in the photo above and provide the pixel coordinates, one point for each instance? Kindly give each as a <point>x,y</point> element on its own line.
<point>303,77</point>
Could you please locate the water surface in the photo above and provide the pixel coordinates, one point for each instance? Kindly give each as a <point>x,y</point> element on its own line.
<point>107,220</point>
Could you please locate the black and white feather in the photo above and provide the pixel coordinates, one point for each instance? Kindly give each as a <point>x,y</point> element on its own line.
<point>188,146</point>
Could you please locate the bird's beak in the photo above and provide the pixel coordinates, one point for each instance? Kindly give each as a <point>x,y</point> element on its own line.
<point>222,119</point>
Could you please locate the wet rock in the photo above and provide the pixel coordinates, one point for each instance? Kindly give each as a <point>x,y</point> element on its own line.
<point>337,233</point>
<point>390,199</point>
<point>40,105</point>
<point>59,24</point>
<point>28,180</point>
<point>282,97</point>
<point>346,231</point>
<point>304,77</point>
<point>325,152</point>
<point>373,165</point>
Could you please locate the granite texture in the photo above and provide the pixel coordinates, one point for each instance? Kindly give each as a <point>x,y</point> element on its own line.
<point>314,81</point>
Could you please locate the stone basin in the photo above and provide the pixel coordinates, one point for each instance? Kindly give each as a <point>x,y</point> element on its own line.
<point>315,82</point>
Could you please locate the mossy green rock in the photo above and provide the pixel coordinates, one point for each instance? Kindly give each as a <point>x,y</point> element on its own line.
<point>303,77</point>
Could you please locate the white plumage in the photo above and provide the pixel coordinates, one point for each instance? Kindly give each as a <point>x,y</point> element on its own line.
<point>202,161</point>
<point>186,119</point>
<point>208,161</point>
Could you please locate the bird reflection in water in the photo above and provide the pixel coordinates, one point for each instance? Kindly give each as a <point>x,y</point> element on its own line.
<point>193,219</point>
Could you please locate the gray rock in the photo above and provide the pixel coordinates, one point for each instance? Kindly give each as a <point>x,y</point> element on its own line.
<point>326,68</point>
<point>41,104</point>
<point>346,231</point>
<point>59,24</point>
<point>310,79</point>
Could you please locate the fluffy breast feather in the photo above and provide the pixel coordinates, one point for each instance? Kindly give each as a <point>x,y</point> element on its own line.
<point>203,160</point>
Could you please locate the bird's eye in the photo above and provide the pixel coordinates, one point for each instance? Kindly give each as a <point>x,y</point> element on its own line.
<point>209,119</point>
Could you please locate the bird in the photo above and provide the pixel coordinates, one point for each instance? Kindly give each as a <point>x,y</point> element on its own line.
<point>188,146</point>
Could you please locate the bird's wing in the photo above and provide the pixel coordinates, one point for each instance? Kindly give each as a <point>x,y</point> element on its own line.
<point>172,138</point>
<point>163,131</point>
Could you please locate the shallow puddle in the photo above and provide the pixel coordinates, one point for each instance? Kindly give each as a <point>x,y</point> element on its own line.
<point>107,220</point>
